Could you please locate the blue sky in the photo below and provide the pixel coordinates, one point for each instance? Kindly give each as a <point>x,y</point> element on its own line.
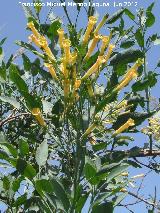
<point>13,24</point>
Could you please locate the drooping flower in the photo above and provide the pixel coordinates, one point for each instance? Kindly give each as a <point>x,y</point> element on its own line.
<point>33,38</point>
<point>66,47</point>
<point>131,74</point>
<point>93,45</point>
<point>37,113</point>
<point>73,57</point>
<point>44,44</point>
<point>110,50</point>
<point>31,26</point>
<point>91,24</point>
<point>51,70</point>
<point>125,126</point>
<point>95,67</point>
<point>61,37</point>
<point>105,42</point>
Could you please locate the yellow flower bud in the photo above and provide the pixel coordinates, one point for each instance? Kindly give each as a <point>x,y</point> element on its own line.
<point>125,126</point>
<point>105,42</point>
<point>51,70</point>
<point>93,45</point>
<point>95,67</point>
<point>123,190</point>
<point>31,26</point>
<point>125,174</point>
<point>66,47</point>
<point>103,21</point>
<point>37,113</point>
<point>91,23</point>
<point>61,37</point>
<point>33,39</point>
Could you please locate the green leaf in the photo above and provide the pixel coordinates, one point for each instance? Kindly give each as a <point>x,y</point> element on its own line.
<point>26,62</point>
<point>129,14</point>
<point>60,193</point>
<point>126,44</point>
<point>120,198</point>
<point>42,153</point>
<point>89,171</point>
<point>150,19</point>
<point>103,208</point>
<point>99,146</point>
<point>3,71</point>
<point>9,149</point>
<point>27,11</point>
<point>149,81</point>
<point>23,147</point>
<point>116,171</point>
<point>81,202</point>
<point>44,186</point>
<point>25,169</point>
<point>16,78</point>
<point>20,200</point>
<point>115,16</point>
<point>150,8</point>
<point>16,183</point>
<point>11,101</point>
<point>2,41</point>
<point>139,37</point>
<point>126,56</point>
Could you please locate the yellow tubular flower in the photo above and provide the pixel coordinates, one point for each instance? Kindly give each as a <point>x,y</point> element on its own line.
<point>125,126</point>
<point>132,73</point>
<point>73,57</point>
<point>64,68</point>
<point>110,50</point>
<point>47,50</point>
<point>37,113</point>
<point>77,84</point>
<point>95,67</point>
<point>33,39</point>
<point>91,23</point>
<point>90,90</point>
<point>105,42</point>
<point>93,45</point>
<point>61,37</point>
<point>66,47</point>
<point>51,70</point>
<point>100,25</point>
<point>31,26</point>
<point>135,67</point>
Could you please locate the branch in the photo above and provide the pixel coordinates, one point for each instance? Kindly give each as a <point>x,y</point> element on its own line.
<point>11,118</point>
<point>155,205</point>
<point>135,153</point>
